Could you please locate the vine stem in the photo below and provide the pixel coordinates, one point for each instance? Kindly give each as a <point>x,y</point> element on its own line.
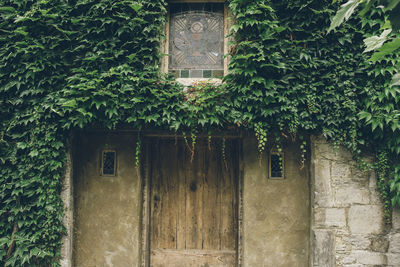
<point>191,148</point>
<point>12,245</point>
<point>223,151</point>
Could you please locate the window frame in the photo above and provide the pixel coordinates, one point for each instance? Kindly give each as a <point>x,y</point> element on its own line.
<point>102,162</point>
<point>165,43</point>
<point>282,154</point>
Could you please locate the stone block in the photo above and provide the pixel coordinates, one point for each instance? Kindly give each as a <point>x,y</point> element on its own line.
<point>394,246</point>
<point>324,249</point>
<point>393,259</point>
<point>366,219</point>
<point>342,170</point>
<point>335,217</point>
<point>357,175</point>
<point>396,220</point>
<point>341,246</point>
<point>348,259</point>
<point>370,258</point>
<point>372,180</point>
<point>358,242</point>
<point>326,150</point>
<point>380,244</point>
<point>323,196</point>
<point>319,217</point>
<point>375,198</point>
<point>348,194</point>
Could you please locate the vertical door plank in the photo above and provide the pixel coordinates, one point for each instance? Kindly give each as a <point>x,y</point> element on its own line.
<point>169,193</point>
<point>163,190</point>
<point>194,188</point>
<point>181,221</point>
<point>211,203</point>
<point>228,242</point>
<point>155,207</point>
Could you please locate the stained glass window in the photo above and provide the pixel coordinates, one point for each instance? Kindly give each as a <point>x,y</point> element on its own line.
<point>196,45</point>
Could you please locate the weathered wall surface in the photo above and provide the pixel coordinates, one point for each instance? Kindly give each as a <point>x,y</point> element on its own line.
<point>68,209</point>
<point>276,213</point>
<point>329,217</point>
<point>107,209</point>
<point>348,228</point>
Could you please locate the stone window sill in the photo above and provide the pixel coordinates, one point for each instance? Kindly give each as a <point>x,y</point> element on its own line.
<point>191,81</point>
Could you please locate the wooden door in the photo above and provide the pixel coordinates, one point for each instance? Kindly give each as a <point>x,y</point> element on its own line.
<point>193,204</point>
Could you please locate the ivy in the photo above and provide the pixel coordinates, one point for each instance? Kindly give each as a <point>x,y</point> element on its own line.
<point>66,65</point>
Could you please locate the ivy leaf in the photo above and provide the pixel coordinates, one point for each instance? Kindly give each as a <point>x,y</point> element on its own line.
<point>6,9</point>
<point>70,103</point>
<point>392,4</point>
<point>385,50</point>
<point>395,80</point>
<point>365,115</point>
<point>367,7</point>
<point>33,153</point>
<point>395,18</point>
<point>136,6</point>
<point>375,42</point>
<point>344,13</point>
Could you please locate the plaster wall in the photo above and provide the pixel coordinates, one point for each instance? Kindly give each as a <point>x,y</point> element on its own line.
<point>276,213</point>
<point>107,209</point>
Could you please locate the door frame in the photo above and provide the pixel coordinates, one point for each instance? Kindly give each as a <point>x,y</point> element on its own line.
<point>144,248</point>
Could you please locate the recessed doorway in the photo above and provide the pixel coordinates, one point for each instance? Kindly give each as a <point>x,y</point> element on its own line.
<point>191,203</point>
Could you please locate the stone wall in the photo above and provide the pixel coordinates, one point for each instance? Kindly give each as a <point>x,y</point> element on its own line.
<point>68,202</point>
<point>347,226</point>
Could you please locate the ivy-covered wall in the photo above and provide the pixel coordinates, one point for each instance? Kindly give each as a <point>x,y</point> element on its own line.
<point>67,65</point>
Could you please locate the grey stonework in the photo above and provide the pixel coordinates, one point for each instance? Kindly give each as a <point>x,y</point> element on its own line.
<point>348,229</point>
<point>68,202</point>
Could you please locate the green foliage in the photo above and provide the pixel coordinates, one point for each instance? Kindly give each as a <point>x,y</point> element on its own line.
<point>66,65</point>
<point>344,13</point>
<point>261,136</point>
<point>392,9</point>
<point>382,171</point>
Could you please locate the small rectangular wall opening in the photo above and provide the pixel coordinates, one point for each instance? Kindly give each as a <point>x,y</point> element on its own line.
<point>108,162</point>
<point>276,165</point>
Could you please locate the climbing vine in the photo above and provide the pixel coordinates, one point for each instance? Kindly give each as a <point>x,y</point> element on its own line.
<point>137,150</point>
<point>67,65</point>
<point>382,172</point>
<point>261,136</point>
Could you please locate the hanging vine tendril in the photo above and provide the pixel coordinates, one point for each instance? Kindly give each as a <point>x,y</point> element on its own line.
<point>303,148</point>
<point>138,149</point>
<point>261,136</point>
<point>209,141</point>
<point>224,152</point>
<point>382,172</point>
<point>279,149</point>
<point>193,137</point>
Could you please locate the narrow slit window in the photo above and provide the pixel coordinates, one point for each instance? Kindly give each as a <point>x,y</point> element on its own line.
<point>108,163</point>
<point>276,165</point>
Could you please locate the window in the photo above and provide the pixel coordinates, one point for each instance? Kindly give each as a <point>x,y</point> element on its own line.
<point>108,163</point>
<point>195,41</point>
<point>276,165</point>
